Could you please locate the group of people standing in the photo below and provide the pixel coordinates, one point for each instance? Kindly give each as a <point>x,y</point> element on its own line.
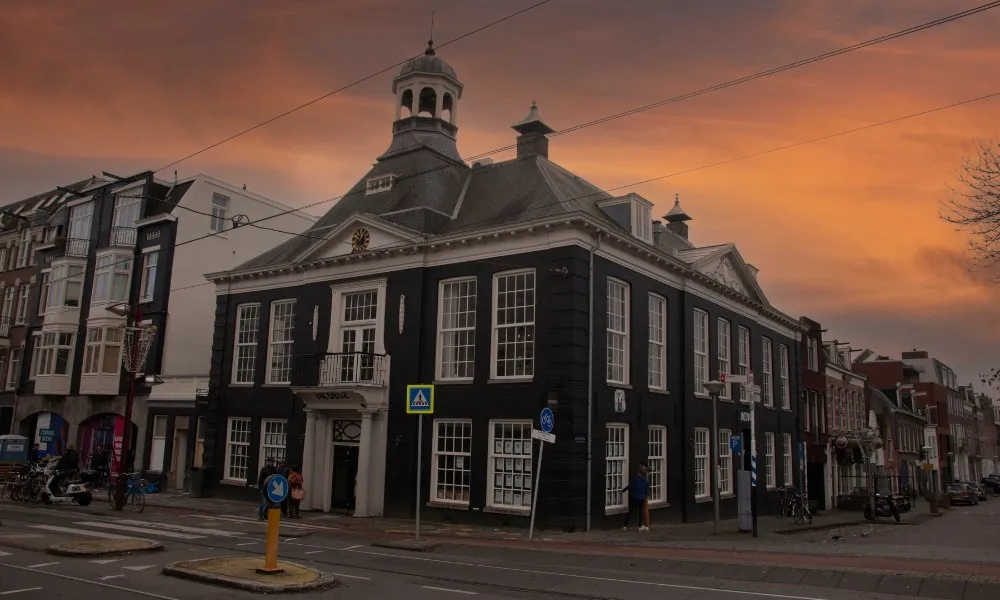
<point>638,503</point>
<point>290,505</point>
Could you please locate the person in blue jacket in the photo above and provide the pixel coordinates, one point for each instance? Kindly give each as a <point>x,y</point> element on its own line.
<point>639,488</point>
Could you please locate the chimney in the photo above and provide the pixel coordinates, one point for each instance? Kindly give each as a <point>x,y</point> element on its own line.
<point>677,219</point>
<point>533,140</point>
<point>915,354</point>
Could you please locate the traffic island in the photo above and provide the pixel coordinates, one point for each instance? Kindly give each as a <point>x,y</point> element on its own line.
<point>411,545</point>
<point>243,573</point>
<point>104,547</point>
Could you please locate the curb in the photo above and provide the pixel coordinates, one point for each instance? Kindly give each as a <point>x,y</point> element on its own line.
<point>178,569</point>
<point>63,550</point>
<point>410,545</point>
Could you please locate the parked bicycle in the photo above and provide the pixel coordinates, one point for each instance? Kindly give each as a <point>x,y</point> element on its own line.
<point>133,492</point>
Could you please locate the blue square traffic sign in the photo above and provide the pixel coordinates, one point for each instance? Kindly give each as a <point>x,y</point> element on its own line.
<point>736,443</point>
<point>420,399</point>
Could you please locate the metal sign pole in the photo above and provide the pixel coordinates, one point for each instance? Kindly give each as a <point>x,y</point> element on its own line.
<point>534,495</point>
<point>420,453</point>
<point>753,461</point>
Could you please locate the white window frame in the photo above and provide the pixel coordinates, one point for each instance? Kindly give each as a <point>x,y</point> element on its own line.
<point>127,210</point>
<point>3,258</point>
<point>96,350</point>
<point>786,442</point>
<point>36,342</point>
<point>64,274</point>
<point>147,278</point>
<point>285,345</point>
<point>657,460</point>
<point>526,363</point>
<point>784,381</point>
<point>231,445</point>
<point>702,463</point>
<point>616,466</point>
<point>642,220</point>
<point>457,329</point>
<point>700,346</point>
<point>8,308</point>
<point>743,359</point>
<point>618,325</point>
<point>23,247</point>
<point>14,368</point>
<point>807,410</point>
<point>250,342</point>
<point>273,440</point>
<point>22,304</point>
<point>725,354</point>
<point>455,459</point>
<point>767,378</point>
<point>725,464</point>
<point>769,466</point>
<point>657,351</point>
<point>44,288</point>
<point>812,350</point>
<point>509,457</point>
<point>158,443</point>
<point>50,347</point>
<point>112,270</point>
<point>78,228</point>
<point>220,212</point>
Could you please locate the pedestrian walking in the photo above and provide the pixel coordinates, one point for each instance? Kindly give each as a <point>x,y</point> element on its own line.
<point>266,471</point>
<point>295,481</point>
<point>638,489</point>
<point>644,469</point>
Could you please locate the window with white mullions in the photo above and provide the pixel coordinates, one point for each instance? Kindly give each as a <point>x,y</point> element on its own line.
<point>451,471</point>
<point>279,363</point>
<point>457,329</point>
<point>112,277</point>
<point>616,471</point>
<point>78,230</point>
<point>245,354</point>
<point>357,336</point>
<point>126,213</point>
<point>700,351</point>
<point>273,439</point>
<point>220,213</point>
<point>743,358</point>
<point>147,284</point>
<point>22,304</point>
<point>701,463</point>
<point>724,354</point>
<point>767,381</point>
<point>23,247</point>
<point>787,455</point>
<point>102,352</point>
<point>784,386</point>
<point>510,465</point>
<point>14,370</point>
<point>657,463</point>
<point>769,473</point>
<point>617,331</point>
<point>237,449</point>
<point>725,463</point>
<point>657,342</point>
<point>514,324</point>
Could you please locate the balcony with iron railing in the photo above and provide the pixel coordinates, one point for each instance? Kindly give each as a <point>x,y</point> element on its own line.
<point>77,247</point>
<point>342,370</point>
<point>4,331</point>
<point>122,237</point>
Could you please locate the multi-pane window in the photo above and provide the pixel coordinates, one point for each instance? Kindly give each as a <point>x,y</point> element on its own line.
<point>807,411</point>
<point>43,292</point>
<point>279,351</point>
<point>457,329</point>
<point>767,381</point>
<point>701,462</point>
<point>657,342</point>
<point>55,353</point>
<point>245,352</point>
<point>451,469</point>
<point>743,358</point>
<point>273,440</point>
<point>514,324</point>
<point>615,465</point>
<point>220,212</point>
<point>769,474</point>
<point>700,351</point>
<point>66,286</point>
<point>786,440</point>
<point>14,371</point>
<point>36,349</point>
<point>3,258</point>
<point>23,247</point>
<point>78,231</point>
<point>147,284</point>
<point>617,331</point>
<point>126,213</point>
<point>102,352</point>
<point>725,352</point>
<point>657,463</point>
<point>784,386</point>
<point>510,465</point>
<point>22,303</point>
<point>7,318</point>
<point>725,463</point>
<point>237,449</point>
<point>111,278</point>
<point>357,336</point>
<point>812,349</point>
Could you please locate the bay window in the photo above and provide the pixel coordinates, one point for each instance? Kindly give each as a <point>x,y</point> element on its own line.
<point>103,351</point>
<point>55,353</point>
<point>112,275</point>
<point>66,286</point>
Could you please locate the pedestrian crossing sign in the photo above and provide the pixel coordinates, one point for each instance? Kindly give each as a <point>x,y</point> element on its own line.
<point>420,399</point>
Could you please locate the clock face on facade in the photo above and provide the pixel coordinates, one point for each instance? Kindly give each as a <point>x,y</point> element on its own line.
<point>360,239</point>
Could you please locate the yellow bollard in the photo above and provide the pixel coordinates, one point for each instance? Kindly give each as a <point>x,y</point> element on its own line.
<point>271,546</point>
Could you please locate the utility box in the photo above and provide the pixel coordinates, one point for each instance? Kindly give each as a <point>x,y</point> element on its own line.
<point>13,449</point>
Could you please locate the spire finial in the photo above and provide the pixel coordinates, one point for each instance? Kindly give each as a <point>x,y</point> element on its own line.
<point>677,199</point>
<point>430,43</point>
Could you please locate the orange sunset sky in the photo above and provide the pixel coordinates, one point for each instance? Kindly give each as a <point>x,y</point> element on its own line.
<point>845,231</point>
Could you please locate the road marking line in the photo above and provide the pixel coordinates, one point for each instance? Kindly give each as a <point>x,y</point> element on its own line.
<point>20,536</point>
<point>155,524</point>
<point>105,561</point>
<point>251,520</point>
<point>441,589</point>
<point>9,592</point>
<point>248,543</point>
<point>87,533</point>
<point>353,547</point>
<point>40,565</point>
<point>139,568</point>
<point>91,582</point>
<point>107,577</point>
<point>350,576</point>
<point>2,553</point>
<point>314,552</point>
<point>147,531</point>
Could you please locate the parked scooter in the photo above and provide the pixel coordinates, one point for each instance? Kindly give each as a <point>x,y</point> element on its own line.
<point>884,507</point>
<point>69,488</point>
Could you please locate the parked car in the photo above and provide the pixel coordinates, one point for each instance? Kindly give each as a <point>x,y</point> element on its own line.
<point>980,490</point>
<point>991,483</point>
<point>961,493</point>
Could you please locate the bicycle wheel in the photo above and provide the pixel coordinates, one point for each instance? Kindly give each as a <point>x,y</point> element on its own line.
<point>806,515</point>
<point>138,500</point>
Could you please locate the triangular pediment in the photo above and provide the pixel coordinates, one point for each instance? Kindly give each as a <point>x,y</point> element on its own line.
<point>359,233</point>
<point>725,265</point>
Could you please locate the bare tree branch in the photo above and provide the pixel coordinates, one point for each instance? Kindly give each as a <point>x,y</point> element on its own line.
<point>975,208</point>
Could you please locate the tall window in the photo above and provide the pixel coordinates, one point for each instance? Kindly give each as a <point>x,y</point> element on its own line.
<point>510,465</point>
<point>23,247</point>
<point>701,463</point>
<point>807,411</point>
<point>14,371</point>
<point>786,440</point>
<point>66,286</point>
<point>102,353</point>
<point>514,324</point>
<point>220,212</point>
<point>457,328</point>
<point>767,382</point>
<point>36,350</point>
<point>55,353</point>
<point>617,333</point>
<point>812,349</point>
<point>22,303</point>
<point>112,276</point>
<point>615,465</point>
<point>279,352</point>
<point>43,292</point>
<point>7,319</point>
<point>237,449</point>
<point>743,358</point>
<point>724,354</point>
<point>657,342</point>
<point>126,213</point>
<point>700,351</point>
<point>147,284</point>
<point>245,351</point>
<point>357,336</point>
<point>78,232</point>
<point>784,386</point>
<point>657,463</point>
<point>3,258</point>
<point>273,439</point>
<point>451,469</point>
<point>158,444</point>
<point>725,463</point>
<point>769,475</point>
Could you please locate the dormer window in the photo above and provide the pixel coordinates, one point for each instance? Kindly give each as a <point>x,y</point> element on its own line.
<point>382,183</point>
<point>642,219</point>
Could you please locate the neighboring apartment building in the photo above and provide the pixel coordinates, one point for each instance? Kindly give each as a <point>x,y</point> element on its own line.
<point>847,414</point>
<point>123,242</point>
<point>812,366</point>
<point>902,430</point>
<point>510,286</point>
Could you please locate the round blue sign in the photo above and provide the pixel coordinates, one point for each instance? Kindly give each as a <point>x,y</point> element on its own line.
<point>276,488</point>
<point>547,420</point>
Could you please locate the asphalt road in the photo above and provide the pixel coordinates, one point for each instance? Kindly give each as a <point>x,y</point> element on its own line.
<point>366,572</point>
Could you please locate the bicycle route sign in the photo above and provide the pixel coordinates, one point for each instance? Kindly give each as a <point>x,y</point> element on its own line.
<point>547,420</point>
<point>276,488</point>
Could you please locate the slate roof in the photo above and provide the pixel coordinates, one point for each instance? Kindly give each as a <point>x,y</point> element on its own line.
<point>48,202</point>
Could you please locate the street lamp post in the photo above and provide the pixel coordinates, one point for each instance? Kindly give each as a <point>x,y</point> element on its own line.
<point>715,388</point>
